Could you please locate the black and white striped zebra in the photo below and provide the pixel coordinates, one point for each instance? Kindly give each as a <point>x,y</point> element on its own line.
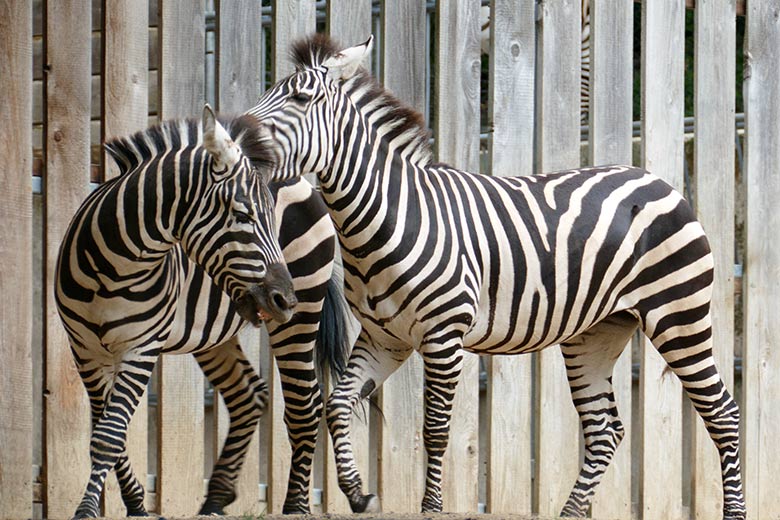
<point>439,260</point>
<point>174,256</point>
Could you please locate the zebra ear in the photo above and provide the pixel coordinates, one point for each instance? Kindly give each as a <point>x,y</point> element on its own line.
<point>344,64</point>
<point>218,143</point>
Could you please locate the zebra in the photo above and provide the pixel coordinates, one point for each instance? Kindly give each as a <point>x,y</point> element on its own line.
<point>438,260</point>
<point>174,256</point>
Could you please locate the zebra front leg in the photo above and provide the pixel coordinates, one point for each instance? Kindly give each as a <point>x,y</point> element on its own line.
<point>302,413</point>
<point>590,359</point>
<point>245,395</point>
<point>369,366</point>
<point>109,431</point>
<point>443,364</point>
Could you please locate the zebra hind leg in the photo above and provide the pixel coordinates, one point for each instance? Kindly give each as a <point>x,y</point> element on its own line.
<point>685,343</point>
<point>367,369</point>
<point>109,430</point>
<point>590,358</point>
<point>227,368</point>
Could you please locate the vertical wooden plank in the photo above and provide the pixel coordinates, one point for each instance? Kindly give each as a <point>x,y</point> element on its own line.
<point>761,383</point>
<point>663,40</point>
<point>67,97</point>
<point>238,85</point>
<point>125,62</point>
<point>714,70</point>
<point>512,73</point>
<point>401,467</point>
<point>180,410</point>
<point>611,90</point>
<point>239,56</point>
<point>292,19</point>
<point>458,69</point>
<point>557,447</point>
<point>349,21</point>
<point>16,280</point>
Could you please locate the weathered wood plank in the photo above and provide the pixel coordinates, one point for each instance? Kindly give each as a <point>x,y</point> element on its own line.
<point>125,60</point>
<point>349,21</point>
<point>16,280</point>
<point>180,410</point>
<point>714,70</point>
<point>239,83</point>
<point>663,39</point>
<point>761,379</point>
<point>511,100</point>
<point>96,51</point>
<point>238,55</point>
<point>611,90</point>
<point>557,449</point>
<point>401,466</point>
<point>292,19</point>
<point>458,69</point>
<point>125,72</point>
<point>67,92</point>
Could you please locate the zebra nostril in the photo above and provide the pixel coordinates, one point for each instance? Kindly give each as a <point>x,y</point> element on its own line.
<point>283,303</point>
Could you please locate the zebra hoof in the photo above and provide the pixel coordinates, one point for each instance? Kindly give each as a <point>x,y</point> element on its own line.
<point>366,504</point>
<point>211,509</point>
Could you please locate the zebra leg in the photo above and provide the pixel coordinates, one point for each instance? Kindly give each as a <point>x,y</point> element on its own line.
<point>246,395</point>
<point>590,358</point>
<point>109,431</point>
<point>368,368</point>
<point>443,365</point>
<point>684,339</point>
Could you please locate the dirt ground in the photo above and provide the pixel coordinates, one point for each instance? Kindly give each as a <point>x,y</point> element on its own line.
<point>373,516</point>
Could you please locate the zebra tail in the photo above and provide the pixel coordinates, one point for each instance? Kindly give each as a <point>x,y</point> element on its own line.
<point>332,343</point>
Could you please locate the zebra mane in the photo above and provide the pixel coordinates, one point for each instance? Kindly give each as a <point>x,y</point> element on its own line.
<point>367,92</point>
<point>129,152</point>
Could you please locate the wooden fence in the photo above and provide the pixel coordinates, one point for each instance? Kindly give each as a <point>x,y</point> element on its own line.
<point>74,72</point>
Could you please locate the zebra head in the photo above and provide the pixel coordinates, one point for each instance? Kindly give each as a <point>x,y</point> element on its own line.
<point>299,111</point>
<point>232,233</point>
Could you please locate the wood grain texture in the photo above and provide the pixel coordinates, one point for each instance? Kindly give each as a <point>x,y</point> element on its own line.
<point>349,21</point>
<point>181,383</point>
<point>124,110</point>
<point>403,50</point>
<point>67,94</point>
<point>558,111</point>
<point>611,90</point>
<point>458,70</point>
<point>401,465</point>
<point>761,383</point>
<point>510,145</point>
<point>292,19</point>
<point>182,64</point>
<point>714,71</point>
<point>125,74</point>
<point>16,279</point>
<point>238,55</point>
<point>663,38</point>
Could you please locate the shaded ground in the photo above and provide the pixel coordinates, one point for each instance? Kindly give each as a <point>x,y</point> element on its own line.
<point>373,516</point>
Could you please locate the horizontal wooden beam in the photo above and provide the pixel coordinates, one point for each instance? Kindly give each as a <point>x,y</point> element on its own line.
<point>691,4</point>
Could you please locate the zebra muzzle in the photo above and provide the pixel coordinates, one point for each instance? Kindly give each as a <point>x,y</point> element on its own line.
<point>274,299</point>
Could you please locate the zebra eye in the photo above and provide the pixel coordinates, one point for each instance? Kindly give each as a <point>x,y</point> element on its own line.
<point>301,97</point>
<point>243,218</point>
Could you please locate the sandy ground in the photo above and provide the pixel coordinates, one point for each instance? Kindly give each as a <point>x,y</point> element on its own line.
<point>370,516</point>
